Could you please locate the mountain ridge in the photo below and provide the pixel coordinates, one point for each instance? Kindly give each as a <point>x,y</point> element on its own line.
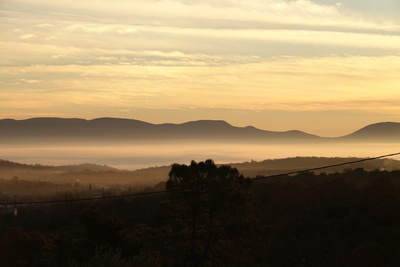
<point>121,129</point>
<point>387,130</point>
<point>7,164</point>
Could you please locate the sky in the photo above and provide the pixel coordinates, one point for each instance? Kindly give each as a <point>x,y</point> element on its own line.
<point>324,67</point>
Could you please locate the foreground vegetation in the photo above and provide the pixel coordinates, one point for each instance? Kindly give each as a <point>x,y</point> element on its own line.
<point>213,216</point>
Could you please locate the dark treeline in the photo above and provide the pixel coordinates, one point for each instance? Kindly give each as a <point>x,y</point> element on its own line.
<point>21,190</point>
<point>215,217</point>
<point>105,176</point>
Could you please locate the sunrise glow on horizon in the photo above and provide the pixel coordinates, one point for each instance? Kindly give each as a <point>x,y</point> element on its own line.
<point>324,67</point>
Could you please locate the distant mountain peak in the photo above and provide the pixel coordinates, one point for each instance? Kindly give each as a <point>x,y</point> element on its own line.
<point>381,131</point>
<point>381,125</point>
<point>207,123</point>
<point>250,127</point>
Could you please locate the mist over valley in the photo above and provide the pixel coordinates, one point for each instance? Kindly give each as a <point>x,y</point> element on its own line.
<point>132,144</point>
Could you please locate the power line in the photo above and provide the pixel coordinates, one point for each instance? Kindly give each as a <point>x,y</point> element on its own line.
<point>83,199</point>
<point>168,191</point>
<point>324,167</point>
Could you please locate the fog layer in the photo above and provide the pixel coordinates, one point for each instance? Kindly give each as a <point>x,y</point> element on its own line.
<point>134,156</point>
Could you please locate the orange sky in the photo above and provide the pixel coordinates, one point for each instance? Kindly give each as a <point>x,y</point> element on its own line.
<point>324,67</point>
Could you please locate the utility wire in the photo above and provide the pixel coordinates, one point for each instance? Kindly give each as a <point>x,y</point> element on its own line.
<point>83,199</point>
<point>168,191</point>
<point>324,167</point>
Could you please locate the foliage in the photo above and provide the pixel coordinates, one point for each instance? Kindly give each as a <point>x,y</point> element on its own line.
<point>211,209</point>
<point>21,248</point>
<point>213,216</point>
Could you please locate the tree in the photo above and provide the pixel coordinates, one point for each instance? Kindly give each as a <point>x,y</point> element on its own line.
<point>21,248</point>
<point>211,208</point>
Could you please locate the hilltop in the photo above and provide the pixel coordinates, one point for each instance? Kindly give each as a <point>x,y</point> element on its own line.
<point>116,130</point>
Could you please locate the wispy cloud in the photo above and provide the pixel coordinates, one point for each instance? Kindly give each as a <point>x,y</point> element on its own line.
<point>99,29</point>
<point>177,54</point>
<point>27,36</point>
<point>282,83</point>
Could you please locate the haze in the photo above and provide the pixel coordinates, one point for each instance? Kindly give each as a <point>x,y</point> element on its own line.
<point>135,156</point>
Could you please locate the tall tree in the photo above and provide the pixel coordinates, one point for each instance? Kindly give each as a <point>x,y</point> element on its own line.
<point>211,208</point>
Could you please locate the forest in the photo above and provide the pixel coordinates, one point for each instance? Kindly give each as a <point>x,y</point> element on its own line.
<point>208,215</point>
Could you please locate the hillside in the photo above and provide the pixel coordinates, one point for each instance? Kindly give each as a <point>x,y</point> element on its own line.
<point>47,130</point>
<point>116,130</point>
<point>277,166</point>
<point>5,164</point>
<point>105,176</point>
<point>383,131</point>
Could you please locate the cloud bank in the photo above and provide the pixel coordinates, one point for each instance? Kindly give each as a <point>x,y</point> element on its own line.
<point>89,56</point>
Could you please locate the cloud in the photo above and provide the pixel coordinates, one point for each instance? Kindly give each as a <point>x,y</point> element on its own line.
<point>300,12</point>
<point>204,32</point>
<point>30,81</point>
<point>254,54</point>
<point>279,84</point>
<point>27,36</point>
<point>45,25</point>
<point>126,30</point>
<point>242,28</point>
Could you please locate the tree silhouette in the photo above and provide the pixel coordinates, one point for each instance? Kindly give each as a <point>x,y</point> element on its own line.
<point>21,248</point>
<point>210,205</point>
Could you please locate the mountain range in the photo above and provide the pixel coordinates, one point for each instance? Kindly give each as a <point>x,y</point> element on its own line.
<point>122,130</point>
